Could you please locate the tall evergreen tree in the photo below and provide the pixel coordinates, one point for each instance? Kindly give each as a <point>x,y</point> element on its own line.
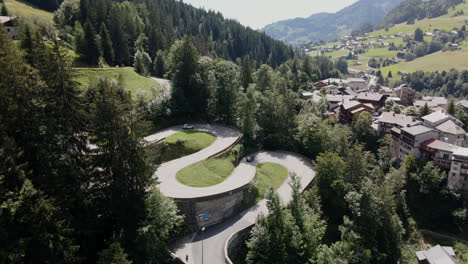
<point>246,72</point>
<point>159,65</point>
<point>188,100</point>
<point>125,172</point>
<point>106,45</point>
<point>92,52</point>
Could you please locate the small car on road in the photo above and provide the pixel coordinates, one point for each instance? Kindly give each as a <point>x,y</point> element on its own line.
<point>250,158</point>
<point>187,126</point>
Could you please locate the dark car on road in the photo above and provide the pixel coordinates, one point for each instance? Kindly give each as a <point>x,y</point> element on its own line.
<point>250,158</point>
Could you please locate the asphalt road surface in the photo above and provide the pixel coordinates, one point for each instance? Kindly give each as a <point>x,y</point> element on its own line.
<point>215,237</point>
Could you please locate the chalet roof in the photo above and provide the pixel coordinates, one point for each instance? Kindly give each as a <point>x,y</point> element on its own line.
<point>401,120</point>
<point>376,97</point>
<point>420,103</point>
<point>463,103</point>
<point>350,104</point>
<point>416,130</point>
<point>5,19</point>
<point>439,116</point>
<point>461,152</point>
<point>339,98</point>
<point>357,110</point>
<point>440,145</point>
<point>403,86</point>
<point>438,255</point>
<point>451,127</point>
<point>436,99</point>
<point>350,80</point>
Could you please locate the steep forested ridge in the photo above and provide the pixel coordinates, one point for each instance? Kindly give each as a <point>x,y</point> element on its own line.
<point>153,25</point>
<point>326,26</point>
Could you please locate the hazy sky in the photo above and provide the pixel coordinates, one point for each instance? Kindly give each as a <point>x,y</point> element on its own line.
<point>258,13</point>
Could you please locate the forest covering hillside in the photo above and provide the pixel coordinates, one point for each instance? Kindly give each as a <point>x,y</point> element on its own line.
<point>330,26</point>
<point>153,25</point>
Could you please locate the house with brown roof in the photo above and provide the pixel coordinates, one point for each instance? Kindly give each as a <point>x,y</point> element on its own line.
<point>351,109</point>
<point>376,99</point>
<point>389,120</point>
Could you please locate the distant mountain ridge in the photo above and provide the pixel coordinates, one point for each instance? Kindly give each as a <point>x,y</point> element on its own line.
<point>330,26</point>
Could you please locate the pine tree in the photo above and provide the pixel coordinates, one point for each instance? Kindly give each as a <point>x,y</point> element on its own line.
<point>125,169</point>
<point>114,254</point>
<point>418,35</point>
<point>246,72</point>
<point>106,45</point>
<point>187,99</point>
<point>247,110</point>
<point>3,10</point>
<point>159,65</point>
<point>23,129</point>
<point>92,52</point>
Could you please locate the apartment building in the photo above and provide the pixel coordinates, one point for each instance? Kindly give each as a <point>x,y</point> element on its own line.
<point>410,139</point>
<point>458,176</point>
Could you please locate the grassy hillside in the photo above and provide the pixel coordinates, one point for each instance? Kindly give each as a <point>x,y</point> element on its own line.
<point>434,62</point>
<point>437,61</point>
<point>135,83</point>
<point>29,13</point>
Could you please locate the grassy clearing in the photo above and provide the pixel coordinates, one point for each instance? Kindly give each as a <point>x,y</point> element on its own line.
<point>208,172</point>
<point>269,175</point>
<point>29,13</point>
<point>338,53</point>
<point>434,62</point>
<point>380,52</point>
<point>138,85</point>
<point>184,143</point>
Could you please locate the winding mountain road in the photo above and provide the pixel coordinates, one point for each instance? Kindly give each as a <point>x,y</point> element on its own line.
<point>215,236</point>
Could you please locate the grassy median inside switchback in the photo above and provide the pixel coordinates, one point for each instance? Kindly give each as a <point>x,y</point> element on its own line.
<point>209,172</point>
<point>184,143</point>
<point>269,174</point>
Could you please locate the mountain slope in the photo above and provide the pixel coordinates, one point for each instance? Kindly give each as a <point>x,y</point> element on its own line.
<point>330,26</point>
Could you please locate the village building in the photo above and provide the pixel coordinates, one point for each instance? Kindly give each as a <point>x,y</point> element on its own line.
<point>376,99</point>
<point>351,109</point>
<point>432,102</point>
<point>389,120</point>
<point>307,95</point>
<point>9,23</point>
<point>452,133</point>
<point>405,93</point>
<point>458,176</point>
<point>439,152</point>
<point>320,84</point>
<point>357,83</point>
<point>438,117</point>
<point>334,101</point>
<point>408,140</point>
<point>464,105</point>
<point>437,255</point>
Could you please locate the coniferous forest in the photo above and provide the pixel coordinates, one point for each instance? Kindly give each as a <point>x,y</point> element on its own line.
<point>153,25</point>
